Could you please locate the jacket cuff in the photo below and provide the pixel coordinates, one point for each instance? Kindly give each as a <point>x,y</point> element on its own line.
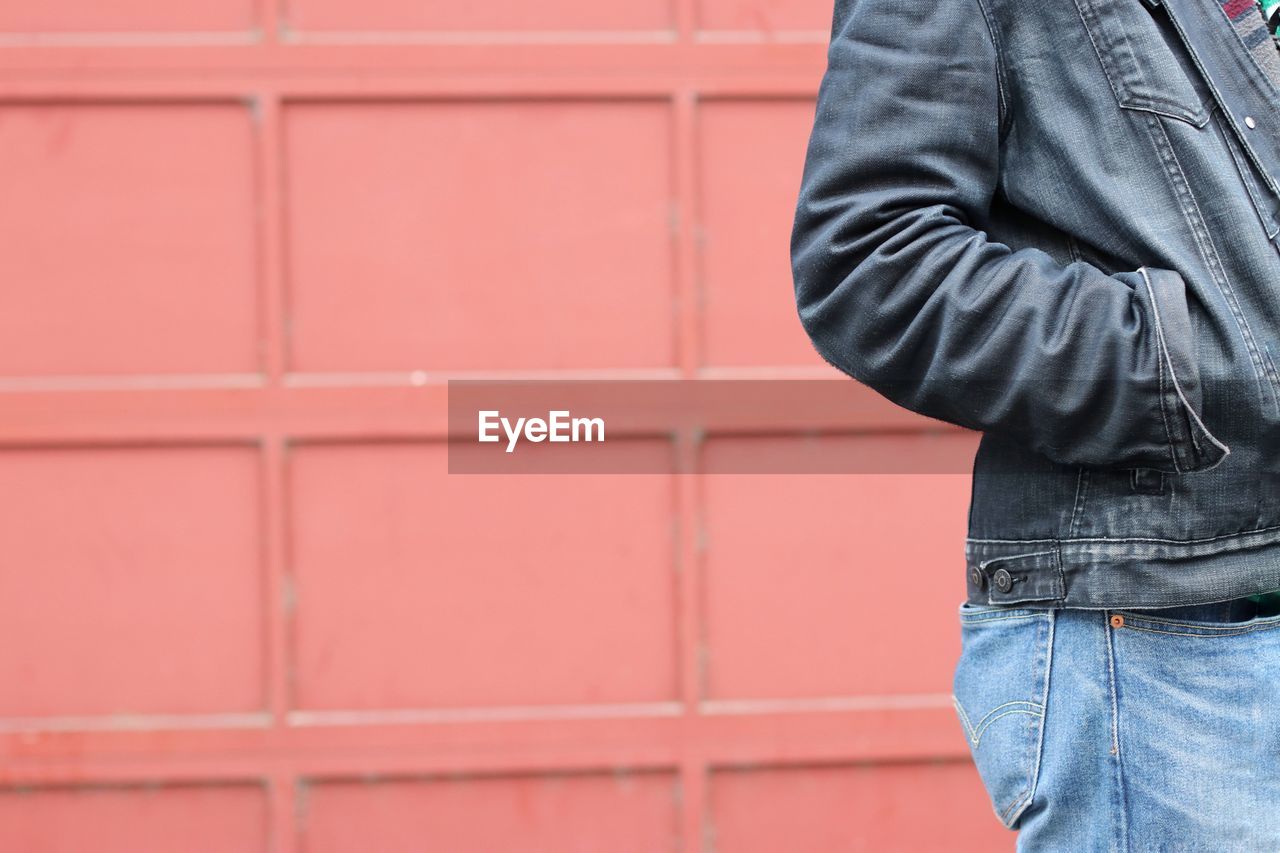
<point>1191,444</point>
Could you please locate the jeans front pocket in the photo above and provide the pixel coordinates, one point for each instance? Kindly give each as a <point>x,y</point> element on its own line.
<point>1000,690</point>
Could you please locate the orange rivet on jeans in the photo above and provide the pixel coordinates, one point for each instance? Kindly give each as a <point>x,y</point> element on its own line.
<point>1117,621</point>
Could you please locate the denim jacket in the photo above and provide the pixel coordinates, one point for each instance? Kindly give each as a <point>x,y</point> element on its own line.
<point>1059,224</point>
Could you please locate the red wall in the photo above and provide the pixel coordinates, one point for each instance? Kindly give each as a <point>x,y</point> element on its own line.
<point>242,604</point>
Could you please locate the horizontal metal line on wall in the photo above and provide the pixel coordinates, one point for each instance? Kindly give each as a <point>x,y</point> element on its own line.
<point>327,88</point>
<point>658,60</point>
<point>483,38</point>
<point>867,735</point>
<point>247,415</point>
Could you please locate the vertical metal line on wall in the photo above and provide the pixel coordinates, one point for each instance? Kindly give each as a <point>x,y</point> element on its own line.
<point>279,610</point>
<point>278,589</point>
<point>283,819</point>
<point>685,15</point>
<point>693,770</point>
<point>271,20</point>
<point>268,156</point>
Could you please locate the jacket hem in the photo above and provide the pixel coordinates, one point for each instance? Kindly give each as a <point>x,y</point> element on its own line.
<point>1105,573</point>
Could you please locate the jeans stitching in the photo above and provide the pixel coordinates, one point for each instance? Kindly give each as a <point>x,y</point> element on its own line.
<point>1205,632</point>
<point>1005,817</point>
<point>975,732</point>
<point>1122,827</point>
<point>980,618</point>
<point>1008,811</point>
<point>1028,795</point>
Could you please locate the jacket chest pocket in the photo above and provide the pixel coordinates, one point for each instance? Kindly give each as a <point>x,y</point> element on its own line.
<point>1144,59</point>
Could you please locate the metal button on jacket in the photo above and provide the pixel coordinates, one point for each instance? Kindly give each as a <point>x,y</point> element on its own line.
<point>975,577</point>
<point>1003,580</point>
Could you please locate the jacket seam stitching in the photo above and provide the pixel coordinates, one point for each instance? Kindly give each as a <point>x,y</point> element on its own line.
<point>1162,352</point>
<point>1082,493</point>
<point>1177,388</point>
<point>1125,98</point>
<point>1208,253</point>
<point>1160,345</point>
<point>1257,81</point>
<point>1197,119</point>
<point>1151,540</point>
<point>1002,96</point>
<point>1245,179</point>
<point>1102,62</point>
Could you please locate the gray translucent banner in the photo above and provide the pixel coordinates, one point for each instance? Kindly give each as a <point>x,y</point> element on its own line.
<point>705,426</point>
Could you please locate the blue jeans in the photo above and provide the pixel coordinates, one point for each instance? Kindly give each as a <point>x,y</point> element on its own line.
<point>1126,730</point>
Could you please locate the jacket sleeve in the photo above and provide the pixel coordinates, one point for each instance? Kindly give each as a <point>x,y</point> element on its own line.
<point>897,287</point>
